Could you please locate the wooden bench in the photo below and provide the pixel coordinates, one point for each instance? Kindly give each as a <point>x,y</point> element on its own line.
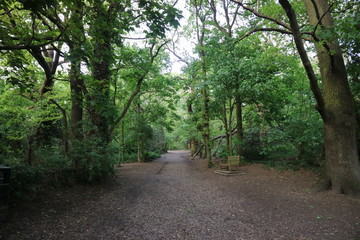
<point>232,161</point>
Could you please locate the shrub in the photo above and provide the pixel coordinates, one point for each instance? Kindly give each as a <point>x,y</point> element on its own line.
<point>26,181</point>
<point>95,160</point>
<point>51,157</point>
<point>149,156</point>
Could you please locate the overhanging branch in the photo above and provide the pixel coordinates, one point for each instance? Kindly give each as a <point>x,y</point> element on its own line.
<point>304,57</point>
<point>260,15</point>
<point>264,30</point>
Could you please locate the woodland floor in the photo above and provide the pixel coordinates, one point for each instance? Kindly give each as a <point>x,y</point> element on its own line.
<point>178,198</point>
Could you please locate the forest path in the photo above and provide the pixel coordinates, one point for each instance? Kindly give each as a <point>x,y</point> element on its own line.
<point>178,198</point>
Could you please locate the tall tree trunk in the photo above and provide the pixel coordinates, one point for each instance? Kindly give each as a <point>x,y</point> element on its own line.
<point>200,32</point>
<point>102,33</point>
<point>226,126</point>
<point>341,156</point>
<point>239,125</point>
<point>206,127</point>
<point>76,125</point>
<point>122,142</point>
<point>230,122</point>
<point>76,101</point>
<point>193,142</point>
<point>335,104</point>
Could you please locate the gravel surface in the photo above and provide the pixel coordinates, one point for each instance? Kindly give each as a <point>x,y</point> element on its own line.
<point>178,198</point>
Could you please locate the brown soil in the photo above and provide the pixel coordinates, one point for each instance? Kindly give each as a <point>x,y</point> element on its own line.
<point>177,198</point>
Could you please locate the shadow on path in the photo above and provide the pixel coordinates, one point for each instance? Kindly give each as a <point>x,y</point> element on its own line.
<point>177,198</point>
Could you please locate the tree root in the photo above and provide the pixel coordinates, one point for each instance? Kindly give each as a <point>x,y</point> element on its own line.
<point>323,184</point>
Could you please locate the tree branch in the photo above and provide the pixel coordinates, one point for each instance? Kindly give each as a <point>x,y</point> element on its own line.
<point>176,55</point>
<point>214,11</point>
<point>30,46</point>
<point>304,57</point>
<point>138,86</point>
<point>235,14</point>
<point>263,30</point>
<point>260,15</point>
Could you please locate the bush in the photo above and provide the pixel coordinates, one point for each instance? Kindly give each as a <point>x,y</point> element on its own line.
<point>95,160</point>
<point>51,157</point>
<point>130,157</point>
<point>149,156</point>
<point>26,181</point>
<point>252,145</point>
<point>278,145</point>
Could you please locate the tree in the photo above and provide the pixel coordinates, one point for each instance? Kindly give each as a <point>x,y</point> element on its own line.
<point>227,29</point>
<point>334,101</point>
<point>200,25</point>
<point>82,35</point>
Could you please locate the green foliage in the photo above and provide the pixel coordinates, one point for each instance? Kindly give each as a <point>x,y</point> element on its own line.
<point>130,157</point>
<point>26,181</point>
<point>51,157</point>
<point>252,145</point>
<point>149,156</point>
<point>281,128</point>
<point>95,160</point>
<point>159,16</point>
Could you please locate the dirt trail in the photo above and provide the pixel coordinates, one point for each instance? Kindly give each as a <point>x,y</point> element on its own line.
<point>177,198</point>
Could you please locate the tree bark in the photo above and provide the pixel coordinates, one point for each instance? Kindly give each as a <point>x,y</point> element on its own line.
<point>239,125</point>
<point>76,101</point>
<point>341,156</point>
<point>193,142</point>
<point>206,127</point>
<point>102,33</point>
<point>226,127</point>
<point>338,109</point>
<point>231,109</point>
<point>76,122</point>
<point>205,95</point>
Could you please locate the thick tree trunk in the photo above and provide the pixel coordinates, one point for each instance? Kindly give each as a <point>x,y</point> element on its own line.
<point>341,156</point>
<point>102,74</point>
<point>100,64</point>
<point>337,108</point>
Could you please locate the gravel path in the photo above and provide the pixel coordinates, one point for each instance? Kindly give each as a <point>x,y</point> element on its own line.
<point>177,198</point>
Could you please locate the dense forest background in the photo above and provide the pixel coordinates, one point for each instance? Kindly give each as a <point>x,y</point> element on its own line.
<point>87,85</point>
